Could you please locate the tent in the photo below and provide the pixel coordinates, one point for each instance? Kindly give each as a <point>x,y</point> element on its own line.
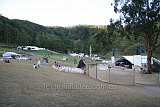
<point>9,55</point>
<point>123,62</point>
<point>64,58</point>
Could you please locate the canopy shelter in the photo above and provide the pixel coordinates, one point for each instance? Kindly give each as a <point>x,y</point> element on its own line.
<point>9,55</point>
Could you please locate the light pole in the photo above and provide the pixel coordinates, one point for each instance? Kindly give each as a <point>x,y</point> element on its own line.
<point>90,50</point>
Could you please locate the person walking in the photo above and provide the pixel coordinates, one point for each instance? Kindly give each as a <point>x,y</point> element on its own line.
<point>39,63</point>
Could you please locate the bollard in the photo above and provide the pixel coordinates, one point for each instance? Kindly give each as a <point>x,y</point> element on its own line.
<point>109,72</point>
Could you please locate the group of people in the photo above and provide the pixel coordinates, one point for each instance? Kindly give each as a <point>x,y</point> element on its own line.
<point>45,58</point>
<point>81,64</point>
<point>79,69</point>
<point>57,64</point>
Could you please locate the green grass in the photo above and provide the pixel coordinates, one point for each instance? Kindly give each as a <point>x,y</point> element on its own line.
<point>51,54</point>
<point>70,59</point>
<point>10,50</point>
<point>57,56</point>
<point>42,52</point>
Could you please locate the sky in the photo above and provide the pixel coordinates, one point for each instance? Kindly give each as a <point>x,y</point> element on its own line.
<point>60,12</point>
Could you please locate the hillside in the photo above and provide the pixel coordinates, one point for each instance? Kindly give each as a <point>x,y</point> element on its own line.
<point>22,32</point>
<point>67,39</point>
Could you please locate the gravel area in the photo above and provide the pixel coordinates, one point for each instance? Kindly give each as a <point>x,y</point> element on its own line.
<point>22,85</point>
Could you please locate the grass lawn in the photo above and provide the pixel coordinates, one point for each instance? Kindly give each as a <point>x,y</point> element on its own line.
<point>9,50</point>
<point>22,85</point>
<point>48,53</point>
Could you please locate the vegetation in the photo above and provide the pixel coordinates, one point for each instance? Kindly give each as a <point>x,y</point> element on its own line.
<point>103,39</point>
<point>22,32</point>
<point>6,48</point>
<point>52,55</point>
<point>141,19</point>
<point>42,52</point>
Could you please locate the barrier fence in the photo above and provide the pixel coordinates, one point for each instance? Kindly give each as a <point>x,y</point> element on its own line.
<point>121,75</point>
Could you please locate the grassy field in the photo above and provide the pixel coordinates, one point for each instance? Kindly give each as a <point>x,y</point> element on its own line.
<point>22,85</point>
<point>53,56</point>
<point>3,49</point>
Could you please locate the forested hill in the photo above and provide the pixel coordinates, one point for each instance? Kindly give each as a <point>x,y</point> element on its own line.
<point>103,39</point>
<point>74,38</point>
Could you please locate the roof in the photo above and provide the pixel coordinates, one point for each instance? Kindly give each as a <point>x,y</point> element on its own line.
<point>13,53</point>
<point>9,54</point>
<point>129,58</point>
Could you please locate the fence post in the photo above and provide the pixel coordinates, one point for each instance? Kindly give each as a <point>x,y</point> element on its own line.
<point>134,78</point>
<point>88,69</point>
<point>109,72</point>
<point>96,70</point>
<point>159,78</point>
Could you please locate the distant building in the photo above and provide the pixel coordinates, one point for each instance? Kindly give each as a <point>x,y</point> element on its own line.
<point>0,14</point>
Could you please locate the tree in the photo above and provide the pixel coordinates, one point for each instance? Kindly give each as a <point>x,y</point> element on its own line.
<point>110,37</point>
<point>8,34</point>
<point>141,18</point>
<point>23,38</point>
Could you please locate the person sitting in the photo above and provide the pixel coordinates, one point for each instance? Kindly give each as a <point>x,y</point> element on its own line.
<point>6,61</point>
<point>35,66</point>
<point>81,64</point>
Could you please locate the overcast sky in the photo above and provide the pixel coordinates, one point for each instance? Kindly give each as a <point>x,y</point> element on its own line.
<point>59,12</point>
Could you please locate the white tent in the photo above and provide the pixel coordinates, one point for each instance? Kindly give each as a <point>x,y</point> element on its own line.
<point>137,59</point>
<point>9,54</point>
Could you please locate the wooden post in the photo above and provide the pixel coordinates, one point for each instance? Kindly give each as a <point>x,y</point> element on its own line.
<point>96,70</point>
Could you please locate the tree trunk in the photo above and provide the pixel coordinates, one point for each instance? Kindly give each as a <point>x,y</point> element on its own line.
<point>149,54</point>
<point>149,65</point>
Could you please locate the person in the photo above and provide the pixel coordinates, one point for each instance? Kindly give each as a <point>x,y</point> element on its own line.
<point>45,59</point>
<point>39,63</point>
<point>6,61</point>
<point>35,66</point>
<point>81,64</point>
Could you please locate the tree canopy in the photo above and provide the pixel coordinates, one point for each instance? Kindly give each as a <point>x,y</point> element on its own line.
<point>141,18</point>
<point>74,38</point>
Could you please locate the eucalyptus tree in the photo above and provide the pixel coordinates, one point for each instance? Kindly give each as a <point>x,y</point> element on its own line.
<point>141,19</point>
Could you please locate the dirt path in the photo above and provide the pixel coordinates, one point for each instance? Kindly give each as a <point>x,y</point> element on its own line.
<point>22,85</point>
